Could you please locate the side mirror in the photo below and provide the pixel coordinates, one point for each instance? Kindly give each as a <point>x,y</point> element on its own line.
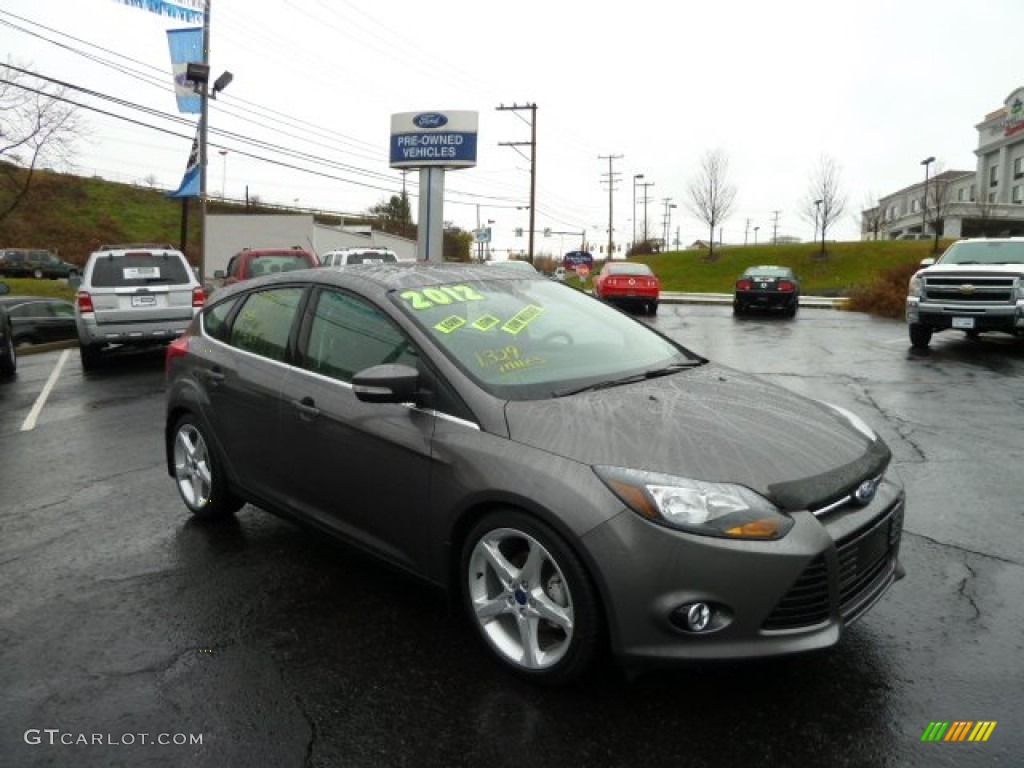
<point>390,383</point>
<point>75,281</point>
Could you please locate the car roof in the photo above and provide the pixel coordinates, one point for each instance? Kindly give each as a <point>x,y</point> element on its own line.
<point>383,277</point>
<point>10,299</point>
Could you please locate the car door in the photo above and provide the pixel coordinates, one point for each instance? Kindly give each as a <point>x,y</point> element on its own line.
<point>242,379</point>
<point>362,469</point>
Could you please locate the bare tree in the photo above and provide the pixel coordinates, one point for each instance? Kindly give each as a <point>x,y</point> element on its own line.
<point>986,216</point>
<point>825,201</point>
<point>937,204</point>
<point>872,216</point>
<point>38,127</point>
<point>711,195</point>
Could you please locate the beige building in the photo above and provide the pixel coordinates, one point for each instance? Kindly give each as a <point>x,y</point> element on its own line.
<point>988,201</point>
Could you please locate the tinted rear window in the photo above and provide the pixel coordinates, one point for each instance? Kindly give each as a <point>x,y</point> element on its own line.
<point>367,258</point>
<point>137,269</point>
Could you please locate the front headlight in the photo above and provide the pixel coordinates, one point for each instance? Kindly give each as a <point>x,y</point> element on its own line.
<point>915,286</point>
<point>696,506</point>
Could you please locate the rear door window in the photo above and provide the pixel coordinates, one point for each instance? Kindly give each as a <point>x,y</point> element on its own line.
<point>264,322</point>
<point>139,269</point>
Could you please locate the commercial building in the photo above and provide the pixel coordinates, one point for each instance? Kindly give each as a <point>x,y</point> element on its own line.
<point>987,201</point>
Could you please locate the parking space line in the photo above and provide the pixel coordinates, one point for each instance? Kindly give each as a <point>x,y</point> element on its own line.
<point>37,407</point>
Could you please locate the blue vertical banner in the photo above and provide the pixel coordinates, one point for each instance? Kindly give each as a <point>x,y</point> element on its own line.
<point>186,10</point>
<point>186,45</point>
<point>190,181</point>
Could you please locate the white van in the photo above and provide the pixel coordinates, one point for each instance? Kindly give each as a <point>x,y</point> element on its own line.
<point>361,255</point>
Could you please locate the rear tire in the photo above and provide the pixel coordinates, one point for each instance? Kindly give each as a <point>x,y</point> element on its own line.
<point>198,473</point>
<point>530,598</point>
<point>737,308</point>
<point>920,335</point>
<point>9,358</point>
<point>90,356</point>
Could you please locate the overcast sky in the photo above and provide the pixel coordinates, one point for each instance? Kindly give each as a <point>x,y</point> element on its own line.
<point>876,85</point>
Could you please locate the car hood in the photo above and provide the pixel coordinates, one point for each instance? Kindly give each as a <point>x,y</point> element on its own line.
<point>710,423</point>
<point>981,269</point>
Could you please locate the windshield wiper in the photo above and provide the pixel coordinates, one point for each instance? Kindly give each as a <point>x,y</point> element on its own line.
<point>631,379</point>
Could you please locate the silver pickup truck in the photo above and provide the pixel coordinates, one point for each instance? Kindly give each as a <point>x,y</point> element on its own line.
<point>976,285</point>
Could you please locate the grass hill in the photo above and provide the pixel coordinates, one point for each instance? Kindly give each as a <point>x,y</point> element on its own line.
<point>72,215</point>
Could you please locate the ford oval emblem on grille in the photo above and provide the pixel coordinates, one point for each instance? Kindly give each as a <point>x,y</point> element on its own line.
<point>866,491</point>
<point>430,120</point>
<point>966,288</point>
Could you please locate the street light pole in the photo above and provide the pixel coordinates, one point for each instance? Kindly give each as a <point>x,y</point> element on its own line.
<point>924,198</point>
<point>755,235</point>
<point>223,174</point>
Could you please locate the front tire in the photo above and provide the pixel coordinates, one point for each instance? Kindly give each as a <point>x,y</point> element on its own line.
<point>530,598</point>
<point>920,335</point>
<point>198,473</point>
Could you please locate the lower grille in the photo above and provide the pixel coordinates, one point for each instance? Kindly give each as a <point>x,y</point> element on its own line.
<point>863,560</point>
<point>806,603</point>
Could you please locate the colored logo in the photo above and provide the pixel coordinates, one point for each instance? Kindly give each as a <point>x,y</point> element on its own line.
<point>959,730</point>
<point>866,491</point>
<point>430,120</point>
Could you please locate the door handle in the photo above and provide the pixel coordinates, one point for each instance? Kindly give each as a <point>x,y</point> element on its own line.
<point>307,408</point>
<point>214,377</point>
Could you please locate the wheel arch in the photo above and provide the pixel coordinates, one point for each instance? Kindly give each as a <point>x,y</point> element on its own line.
<point>467,519</point>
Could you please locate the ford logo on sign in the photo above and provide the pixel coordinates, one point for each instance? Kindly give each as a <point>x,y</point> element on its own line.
<point>430,120</point>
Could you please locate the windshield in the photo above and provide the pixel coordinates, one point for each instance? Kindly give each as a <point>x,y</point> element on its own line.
<point>981,252</point>
<point>533,339</point>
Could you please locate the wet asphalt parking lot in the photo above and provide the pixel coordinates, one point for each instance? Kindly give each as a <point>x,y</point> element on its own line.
<point>123,624</point>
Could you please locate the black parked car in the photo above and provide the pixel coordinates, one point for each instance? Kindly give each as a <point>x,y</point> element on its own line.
<point>36,319</point>
<point>34,262</point>
<point>767,287</point>
<point>578,480</point>
<point>8,355</point>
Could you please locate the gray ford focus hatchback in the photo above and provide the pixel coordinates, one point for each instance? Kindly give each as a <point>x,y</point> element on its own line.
<point>578,481</point>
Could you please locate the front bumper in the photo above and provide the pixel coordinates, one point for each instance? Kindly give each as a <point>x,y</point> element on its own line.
<point>983,317</point>
<point>769,598</point>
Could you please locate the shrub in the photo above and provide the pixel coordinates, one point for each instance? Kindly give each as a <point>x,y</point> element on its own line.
<point>887,295</point>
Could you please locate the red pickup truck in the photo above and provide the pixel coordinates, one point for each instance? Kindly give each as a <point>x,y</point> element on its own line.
<point>253,262</point>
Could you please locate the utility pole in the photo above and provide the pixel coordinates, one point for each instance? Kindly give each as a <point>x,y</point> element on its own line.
<point>664,223</point>
<point>611,188</point>
<point>645,185</point>
<point>532,143</point>
<point>746,232</point>
<point>775,227</point>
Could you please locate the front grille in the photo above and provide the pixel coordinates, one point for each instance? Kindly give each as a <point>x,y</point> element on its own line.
<point>862,559</point>
<point>970,289</point>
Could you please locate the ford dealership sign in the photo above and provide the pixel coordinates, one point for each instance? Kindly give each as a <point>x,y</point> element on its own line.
<point>439,139</point>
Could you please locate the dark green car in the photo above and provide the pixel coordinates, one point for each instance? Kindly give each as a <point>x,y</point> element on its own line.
<point>34,262</point>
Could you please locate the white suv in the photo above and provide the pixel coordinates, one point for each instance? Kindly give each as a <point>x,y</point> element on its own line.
<point>134,294</point>
<point>361,255</point>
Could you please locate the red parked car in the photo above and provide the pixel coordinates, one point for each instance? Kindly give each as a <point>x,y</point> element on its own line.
<point>629,284</point>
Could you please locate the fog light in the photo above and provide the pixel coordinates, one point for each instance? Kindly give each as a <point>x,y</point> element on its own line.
<point>696,617</point>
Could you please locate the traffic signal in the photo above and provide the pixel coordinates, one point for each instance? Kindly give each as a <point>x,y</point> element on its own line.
<point>519,231</point>
<point>547,231</point>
